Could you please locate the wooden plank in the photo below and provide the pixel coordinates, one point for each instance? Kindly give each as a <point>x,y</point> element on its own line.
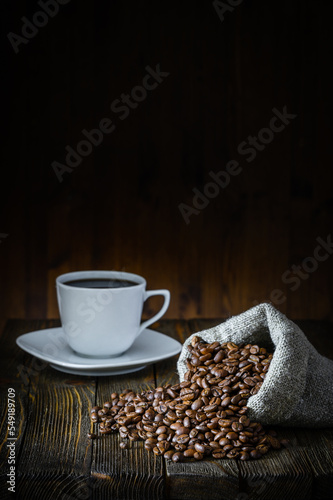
<point>319,333</point>
<point>18,371</point>
<point>131,473</point>
<point>214,479</point>
<point>199,324</point>
<point>52,448</point>
<point>283,473</point>
<point>209,104</point>
<point>188,481</point>
<point>70,111</point>
<point>58,425</point>
<point>308,201</point>
<point>10,358</point>
<point>166,371</point>
<point>218,93</point>
<point>318,449</point>
<point>54,454</point>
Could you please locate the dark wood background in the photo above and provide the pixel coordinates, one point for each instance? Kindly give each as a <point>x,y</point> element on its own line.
<point>119,208</point>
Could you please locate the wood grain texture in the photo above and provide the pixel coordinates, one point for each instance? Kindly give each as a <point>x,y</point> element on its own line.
<point>166,371</point>
<point>118,208</point>
<point>131,473</point>
<point>181,477</point>
<point>318,448</point>
<point>52,449</point>
<point>280,474</point>
<point>56,460</point>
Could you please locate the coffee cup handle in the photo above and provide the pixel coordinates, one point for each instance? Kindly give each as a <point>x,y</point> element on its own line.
<point>150,293</point>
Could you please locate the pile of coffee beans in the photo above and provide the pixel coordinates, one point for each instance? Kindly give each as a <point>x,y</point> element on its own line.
<point>205,415</point>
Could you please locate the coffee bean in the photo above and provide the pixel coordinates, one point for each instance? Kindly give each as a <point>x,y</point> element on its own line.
<point>254,349</point>
<point>191,413</point>
<point>204,415</point>
<point>199,447</point>
<point>123,431</point>
<point>249,381</point>
<point>92,435</point>
<point>275,443</point>
<point>182,430</point>
<point>162,429</point>
<point>183,438</point>
<point>237,426</point>
<point>248,449</point>
<point>212,424</point>
<point>171,415</point>
<point>244,420</point>
<point>255,454</point>
<point>263,449</point>
<point>180,446</point>
<point>105,431</point>
<point>177,457</point>
<point>224,442</point>
<point>149,428</point>
<point>232,435</point>
<point>163,446</point>
<point>189,453</point>
<point>201,416</point>
<point>254,358</point>
<point>149,446</point>
<point>226,401</point>
<point>244,455</point>
<point>237,443</point>
<point>169,454</point>
<point>218,453</point>
<point>133,436</point>
<point>202,427</point>
<point>286,443</point>
<point>194,433</point>
<point>205,357</point>
<point>172,393</point>
<point>224,422</point>
<point>95,409</point>
<point>209,436</point>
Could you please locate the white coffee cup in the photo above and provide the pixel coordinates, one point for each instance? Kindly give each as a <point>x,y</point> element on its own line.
<point>103,322</point>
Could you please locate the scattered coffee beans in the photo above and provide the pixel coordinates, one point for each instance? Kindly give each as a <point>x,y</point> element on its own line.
<point>203,416</point>
<point>91,435</point>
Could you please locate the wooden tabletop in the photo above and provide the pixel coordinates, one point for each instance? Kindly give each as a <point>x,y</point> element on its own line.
<point>54,459</point>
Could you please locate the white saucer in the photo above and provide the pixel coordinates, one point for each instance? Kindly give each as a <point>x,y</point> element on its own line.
<point>51,346</point>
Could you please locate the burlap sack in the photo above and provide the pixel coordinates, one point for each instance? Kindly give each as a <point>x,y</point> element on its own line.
<point>298,388</point>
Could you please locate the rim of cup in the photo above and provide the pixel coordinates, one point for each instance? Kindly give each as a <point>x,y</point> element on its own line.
<point>98,274</point>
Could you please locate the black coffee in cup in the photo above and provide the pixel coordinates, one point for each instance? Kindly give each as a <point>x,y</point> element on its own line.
<point>100,283</point>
